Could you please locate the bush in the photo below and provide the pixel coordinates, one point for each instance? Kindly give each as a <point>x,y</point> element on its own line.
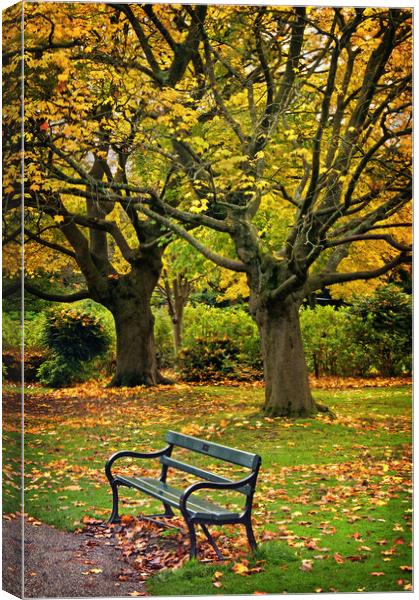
<point>209,325</point>
<point>74,338</point>
<point>383,327</point>
<point>75,335</point>
<point>209,359</point>
<point>330,345</point>
<point>217,343</point>
<point>105,363</point>
<point>370,337</point>
<point>35,324</point>
<point>11,331</point>
<point>163,335</point>
<point>58,371</point>
<point>208,322</point>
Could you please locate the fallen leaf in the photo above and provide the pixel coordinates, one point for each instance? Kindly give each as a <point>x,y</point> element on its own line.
<point>240,569</point>
<point>306,565</point>
<point>92,572</point>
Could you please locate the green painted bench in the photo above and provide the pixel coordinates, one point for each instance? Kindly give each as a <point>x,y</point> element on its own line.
<point>195,510</point>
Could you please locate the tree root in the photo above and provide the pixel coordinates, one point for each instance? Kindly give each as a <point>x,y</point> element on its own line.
<point>325,409</point>
<point>162,380</point>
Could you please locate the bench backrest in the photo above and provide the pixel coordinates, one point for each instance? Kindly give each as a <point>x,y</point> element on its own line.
<point>232,455</point>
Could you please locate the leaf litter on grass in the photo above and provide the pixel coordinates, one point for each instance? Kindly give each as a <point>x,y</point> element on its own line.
<point>149,548</point>
<point>306,504</point>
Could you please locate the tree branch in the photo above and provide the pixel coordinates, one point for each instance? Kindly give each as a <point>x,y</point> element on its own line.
<point>126,9</point>
<point>370,236</point>
<point>269,82</point>
<point>108,227</point>
<point>148,9</point>
<point>217,96</point>
<point>82,295</point>
<point>222,261</point>
<point>194,219</point>
<point>325,279</point>
<point>48,244</point>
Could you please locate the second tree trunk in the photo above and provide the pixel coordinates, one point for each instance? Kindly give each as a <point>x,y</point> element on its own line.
<point>287,390</point>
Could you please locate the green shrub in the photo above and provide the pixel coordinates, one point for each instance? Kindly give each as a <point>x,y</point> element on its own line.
<point>105,363</point>
<point>34,330</point>
<point>75,335</point>
<point>203,322</point>
<point>330,345</point>
<point>209,359</point>
<point>371,336</point>
<point>11,331</point>
<point>163,335</point>
<point>382,325</point>
<point>58,371</point>
<point>208,322</point>
<point>74,338</point>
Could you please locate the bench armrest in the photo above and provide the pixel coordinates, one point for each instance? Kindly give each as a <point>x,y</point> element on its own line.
<point>249,480</point>
<point>130,453</point>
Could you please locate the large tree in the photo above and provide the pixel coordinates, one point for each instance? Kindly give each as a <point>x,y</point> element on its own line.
<point>91,72</point>
<point>299,151</point>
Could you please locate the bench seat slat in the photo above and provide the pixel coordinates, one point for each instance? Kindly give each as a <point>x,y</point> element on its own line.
<point>238,457</point>
<point>171,496</point>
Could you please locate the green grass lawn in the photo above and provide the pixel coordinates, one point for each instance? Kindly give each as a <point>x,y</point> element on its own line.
<point>333,502</point>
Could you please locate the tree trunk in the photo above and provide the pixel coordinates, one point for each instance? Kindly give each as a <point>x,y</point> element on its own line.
<point>136,362</point>
<point>287,391</point>
<point>135,349</point>
<point>177,332</point>
<point>176,291</point>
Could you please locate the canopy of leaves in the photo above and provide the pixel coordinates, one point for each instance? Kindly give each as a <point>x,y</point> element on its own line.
<point>286,128</point>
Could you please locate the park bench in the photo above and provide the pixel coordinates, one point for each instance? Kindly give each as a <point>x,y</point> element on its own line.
<point>196,511</point>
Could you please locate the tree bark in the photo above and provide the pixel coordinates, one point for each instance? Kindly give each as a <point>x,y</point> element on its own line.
<point>135,348</point>
<point>130,304</point>
<point>177,333</point>
<point>287,391</point>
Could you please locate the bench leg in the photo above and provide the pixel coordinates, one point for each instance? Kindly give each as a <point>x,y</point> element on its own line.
<point>250,534</point>
<point>192,538</point>
<point>168,512</point>
<point>212,542</point>
<point>114,518</point>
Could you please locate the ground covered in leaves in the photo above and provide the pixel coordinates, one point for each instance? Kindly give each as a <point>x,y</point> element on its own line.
<point>333,503</point>
<point>60,564</point>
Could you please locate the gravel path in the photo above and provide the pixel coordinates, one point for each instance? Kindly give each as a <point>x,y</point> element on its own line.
<point>69,565</point>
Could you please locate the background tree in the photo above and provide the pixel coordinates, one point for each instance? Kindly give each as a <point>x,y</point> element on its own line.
<point>90,74</point>
<point>183,271</point>
<point>188,276</point>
